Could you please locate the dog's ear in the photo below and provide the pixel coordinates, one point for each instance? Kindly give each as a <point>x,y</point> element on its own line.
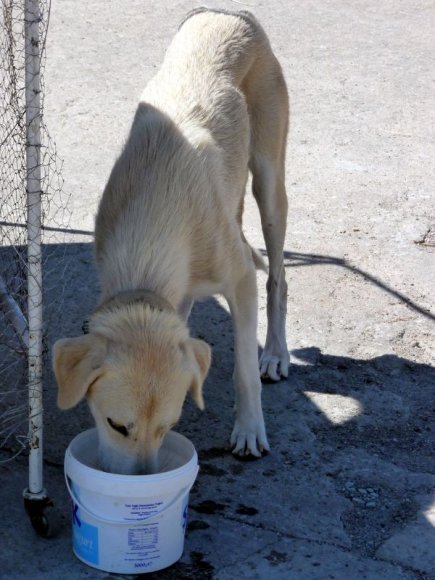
<point>201,354</point>
<point>76,364</point>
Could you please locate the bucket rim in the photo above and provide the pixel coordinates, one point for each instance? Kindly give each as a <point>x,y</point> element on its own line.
<point>71,459</point>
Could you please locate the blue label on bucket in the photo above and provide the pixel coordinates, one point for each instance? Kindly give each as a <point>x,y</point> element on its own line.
<point>85,537</point>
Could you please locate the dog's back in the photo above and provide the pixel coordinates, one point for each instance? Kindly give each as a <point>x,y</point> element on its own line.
<point>212,47</point>
<point>186,159</point>
<point>199,87</point>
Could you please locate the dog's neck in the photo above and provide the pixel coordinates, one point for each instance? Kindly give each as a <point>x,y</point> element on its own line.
<point>128,297</point>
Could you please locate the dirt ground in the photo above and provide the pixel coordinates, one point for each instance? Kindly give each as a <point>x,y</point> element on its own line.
<point>347,490</point>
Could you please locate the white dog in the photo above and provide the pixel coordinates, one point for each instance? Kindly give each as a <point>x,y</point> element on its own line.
<point>168,231</point>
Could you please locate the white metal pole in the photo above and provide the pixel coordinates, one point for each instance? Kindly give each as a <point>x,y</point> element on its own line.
<point>33,145</point>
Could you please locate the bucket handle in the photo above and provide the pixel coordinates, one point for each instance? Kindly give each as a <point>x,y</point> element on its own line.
<point>76,500</point>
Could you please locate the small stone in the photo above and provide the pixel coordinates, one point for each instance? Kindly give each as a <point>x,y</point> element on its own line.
<point>371,504</point>
<point>358,501</point>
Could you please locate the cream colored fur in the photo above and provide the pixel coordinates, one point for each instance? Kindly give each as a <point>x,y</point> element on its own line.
<point>169,222</point>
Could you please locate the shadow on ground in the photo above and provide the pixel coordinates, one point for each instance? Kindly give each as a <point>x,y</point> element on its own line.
<point>352,440</point>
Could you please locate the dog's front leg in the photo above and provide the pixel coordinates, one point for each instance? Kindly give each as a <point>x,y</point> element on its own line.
<point>249,433</point>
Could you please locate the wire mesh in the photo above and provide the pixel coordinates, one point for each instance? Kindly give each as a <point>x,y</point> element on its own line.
<point>14,385</point>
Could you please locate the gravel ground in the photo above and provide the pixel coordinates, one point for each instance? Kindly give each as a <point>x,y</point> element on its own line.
<point>347,491</point>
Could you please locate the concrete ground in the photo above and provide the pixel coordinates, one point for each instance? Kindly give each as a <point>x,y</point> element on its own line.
<point>347,490</point>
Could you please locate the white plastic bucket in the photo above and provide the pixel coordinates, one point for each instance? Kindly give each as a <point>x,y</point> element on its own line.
<point>129,523</point>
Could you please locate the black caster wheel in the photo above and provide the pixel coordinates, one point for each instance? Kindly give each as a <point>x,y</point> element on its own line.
<point>41,525</point>
<point>44,517</point>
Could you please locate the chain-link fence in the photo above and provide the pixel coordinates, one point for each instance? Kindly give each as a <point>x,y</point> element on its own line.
<point>33,220</point>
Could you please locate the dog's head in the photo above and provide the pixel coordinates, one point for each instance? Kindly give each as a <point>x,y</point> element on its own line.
<point>135,368</point>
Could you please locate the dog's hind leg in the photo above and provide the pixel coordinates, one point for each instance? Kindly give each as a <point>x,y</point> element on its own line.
<point>269,191</point>
<point>267,99</point>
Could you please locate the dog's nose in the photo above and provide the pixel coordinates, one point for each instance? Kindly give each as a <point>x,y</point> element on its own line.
<point>149,464</point>
<point>142,467</point>
<point>127,464</point>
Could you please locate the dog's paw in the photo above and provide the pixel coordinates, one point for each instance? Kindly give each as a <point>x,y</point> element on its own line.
<point>274,364</point>
<point>249,440</point>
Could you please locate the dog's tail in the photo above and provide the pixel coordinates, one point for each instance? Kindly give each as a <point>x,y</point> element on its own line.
<point>259,262</point>
<point>258,259</point>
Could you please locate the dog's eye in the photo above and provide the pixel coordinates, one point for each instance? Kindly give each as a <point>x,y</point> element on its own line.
<point>120,428</point>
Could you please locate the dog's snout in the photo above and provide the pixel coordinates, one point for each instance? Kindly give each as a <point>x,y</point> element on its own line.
<point>150,465</point>
<point>144,462</point>
<point>146,466</point>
